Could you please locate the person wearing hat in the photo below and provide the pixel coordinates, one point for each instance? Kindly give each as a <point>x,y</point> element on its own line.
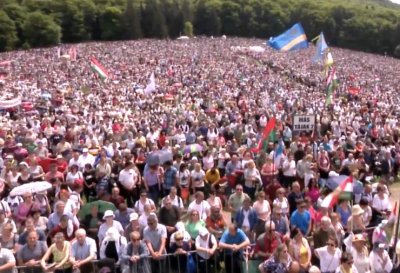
<point>355,221</point>
<point>109,222</point>
<point>356,245</point>
<point>206,245</point>
<point>379,259</point>
<point>133,225</point>
<point>112,245</point>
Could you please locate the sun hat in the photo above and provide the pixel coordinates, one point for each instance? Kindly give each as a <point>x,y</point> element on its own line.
<point>358,238</point>
<point>108,213</point>
<point>357,210</point>
<point>133,217</point>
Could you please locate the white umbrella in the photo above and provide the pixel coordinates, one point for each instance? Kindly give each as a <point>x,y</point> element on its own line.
<point>33,187</point>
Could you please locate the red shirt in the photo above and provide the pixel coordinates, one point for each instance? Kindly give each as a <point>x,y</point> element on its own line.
<point>268,245</point>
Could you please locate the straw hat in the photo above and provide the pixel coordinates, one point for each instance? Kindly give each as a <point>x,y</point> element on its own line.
<point>358,238</point>
<point>357,210</point>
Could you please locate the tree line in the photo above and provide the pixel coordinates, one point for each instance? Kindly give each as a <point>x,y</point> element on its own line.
<point>357,24</point>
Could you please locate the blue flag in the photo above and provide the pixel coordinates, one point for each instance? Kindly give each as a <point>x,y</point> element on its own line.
<point>292,39</point>
<point>321,47</point>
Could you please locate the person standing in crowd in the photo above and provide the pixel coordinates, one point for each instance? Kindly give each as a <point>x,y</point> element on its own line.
<point>233,242</point>
<point>83,252</point>
<point>136,255</point>
<point>60,250</point>
<point>301,218</point>
<point>155,236</point>
<point>206,247</point>
<point>31,253</point>
<point>235,201</point>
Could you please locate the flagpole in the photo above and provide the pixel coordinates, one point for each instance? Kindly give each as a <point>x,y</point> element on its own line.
<point>396,235</point>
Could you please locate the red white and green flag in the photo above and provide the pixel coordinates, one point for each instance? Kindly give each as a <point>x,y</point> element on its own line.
<point>99,69</point>
<point>345,188</point>
<point>331,84</point>
<point>268,134</point>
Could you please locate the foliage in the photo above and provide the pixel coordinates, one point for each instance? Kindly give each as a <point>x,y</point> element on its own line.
<point>369,25</point>
<point>188,30</point>
<point>41,30</point>
<point>8,33</point>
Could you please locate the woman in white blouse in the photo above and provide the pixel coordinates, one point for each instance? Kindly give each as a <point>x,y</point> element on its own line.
<point>360,254</point>
<point>252,179</point>
<point>263,211</point>
<point>208,160</point>
<point>197,178</point>
<point>329,256</point>
<point>281,201</point>
<point>379,260</point>
<point>381,205</point>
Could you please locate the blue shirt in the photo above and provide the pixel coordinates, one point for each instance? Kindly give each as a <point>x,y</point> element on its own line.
<point>169,177</point>
<point>301,220</point>
<point>237,239</point>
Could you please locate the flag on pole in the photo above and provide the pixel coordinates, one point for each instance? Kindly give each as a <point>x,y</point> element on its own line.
<point>329,59</point>
<point>58,53</point>
<point>281,148</point>
<point>292,39</point>
<point>320,48</point>
<point>98,69</point>
<point>72,53</point>
<point>269,128</point>
<point>331,84</point>
<point>151,86</point>
<point>346,185</point>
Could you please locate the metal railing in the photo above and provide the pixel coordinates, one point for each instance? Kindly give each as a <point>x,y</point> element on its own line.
<point>223,261</point>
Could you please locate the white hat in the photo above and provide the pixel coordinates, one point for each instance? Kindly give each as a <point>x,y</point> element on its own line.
<point>9,157</point>
<point>203,231</point>
<point>180,226</point>
<point>112,234</point>
<point>133,217</point>
<point>194,158</point>
<point>85,150</point>
<point>108,213</point>
<point>19,144</point>
<point>59,157</point>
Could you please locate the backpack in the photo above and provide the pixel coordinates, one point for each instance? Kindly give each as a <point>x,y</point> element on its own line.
<point>111,251</point>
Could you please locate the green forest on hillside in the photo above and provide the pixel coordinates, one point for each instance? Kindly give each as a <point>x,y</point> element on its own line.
<point>372,26</point>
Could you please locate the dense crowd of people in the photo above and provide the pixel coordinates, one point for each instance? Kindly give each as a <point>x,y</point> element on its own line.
<point>171,180</point>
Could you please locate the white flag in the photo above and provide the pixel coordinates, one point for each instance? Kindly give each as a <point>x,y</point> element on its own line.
<point>151,86</point>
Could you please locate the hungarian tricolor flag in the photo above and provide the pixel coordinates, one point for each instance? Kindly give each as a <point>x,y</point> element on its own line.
<point>98,69</point>
<point>269,128</point>
<point>345,186</point>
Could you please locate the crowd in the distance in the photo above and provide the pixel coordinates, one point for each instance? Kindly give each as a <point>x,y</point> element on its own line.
<point>172,181</point>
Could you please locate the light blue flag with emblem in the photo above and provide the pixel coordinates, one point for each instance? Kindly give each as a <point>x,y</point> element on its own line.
<point>321,47</point>
<point>292,39</point>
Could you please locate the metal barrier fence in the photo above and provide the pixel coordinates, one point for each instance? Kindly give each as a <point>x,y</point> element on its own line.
<point>220,262</point>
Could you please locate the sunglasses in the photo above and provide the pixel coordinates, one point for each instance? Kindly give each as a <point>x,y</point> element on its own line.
<point>195,214</point>
<point>350,262</point>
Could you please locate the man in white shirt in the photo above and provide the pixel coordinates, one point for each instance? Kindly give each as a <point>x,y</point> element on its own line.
<point>86,158</point>
<point>128,178</point>
<point>379,260</point>
<point>200,205</point>
<point>83,252</point>
<point>7,260</point>
<point>206,245</point>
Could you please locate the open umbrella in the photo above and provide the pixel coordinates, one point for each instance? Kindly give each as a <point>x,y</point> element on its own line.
<point>159,157</point>
<point>101,205</point>
<point>192,148</point>
<point>33,187</point>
